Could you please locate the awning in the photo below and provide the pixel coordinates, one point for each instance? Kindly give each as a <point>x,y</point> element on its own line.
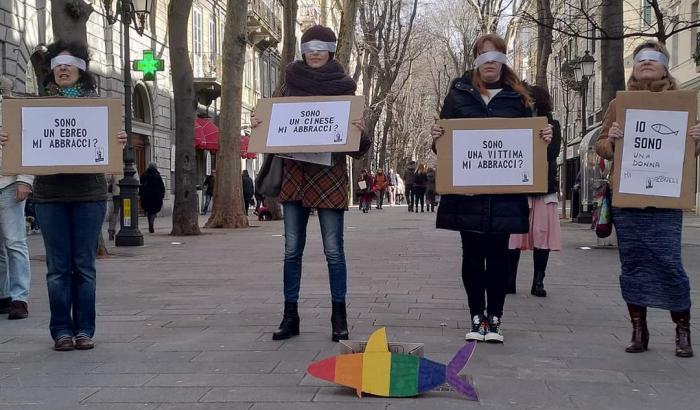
<point>245,140</point>
<point>206,135</point>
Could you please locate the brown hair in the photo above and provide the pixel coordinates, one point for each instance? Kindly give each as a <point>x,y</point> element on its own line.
<point>543,101</point>
<point>667,83</point>
<point>507,75</point>
<point>420,169</point>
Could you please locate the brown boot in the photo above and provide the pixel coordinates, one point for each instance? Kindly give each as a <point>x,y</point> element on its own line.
<point>640,332</point>
<point>682,321</point>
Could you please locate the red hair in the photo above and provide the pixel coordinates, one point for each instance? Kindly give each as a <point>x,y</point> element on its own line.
<point>507,75</point>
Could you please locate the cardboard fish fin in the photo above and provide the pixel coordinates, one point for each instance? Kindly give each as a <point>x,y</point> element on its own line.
<point>377,342</point>
<point>456,365</point>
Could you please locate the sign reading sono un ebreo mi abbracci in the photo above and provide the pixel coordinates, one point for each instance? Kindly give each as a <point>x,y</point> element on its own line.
<point>653,153</point>
<point>303,124</point>
<point>492,157</point>
<point>65,136</point>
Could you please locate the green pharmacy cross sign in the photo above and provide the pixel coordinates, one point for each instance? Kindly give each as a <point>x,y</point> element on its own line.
<point>149,65</point>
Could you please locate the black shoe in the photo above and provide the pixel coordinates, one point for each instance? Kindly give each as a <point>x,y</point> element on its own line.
<point>290,322</point>
<point>111,236</point>
<point>151,230</point>
<point>538,285</point>
<point>5,305</point>
<point>18,310</point>
<point>339,322</point>
<point>493,333</point>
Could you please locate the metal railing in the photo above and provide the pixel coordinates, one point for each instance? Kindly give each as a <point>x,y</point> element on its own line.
<point>265,14</point>
<point>206,65</point>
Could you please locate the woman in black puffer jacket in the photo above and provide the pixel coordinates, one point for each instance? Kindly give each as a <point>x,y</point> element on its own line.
<point>485,222</point>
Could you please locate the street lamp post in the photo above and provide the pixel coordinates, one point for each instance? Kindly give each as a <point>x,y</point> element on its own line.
<point>583,71</point>
<point>132,11</point>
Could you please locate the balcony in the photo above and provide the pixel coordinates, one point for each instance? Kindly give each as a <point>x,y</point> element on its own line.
<point>264,27</point>
<point>308,15</point>
<point>207,71</point>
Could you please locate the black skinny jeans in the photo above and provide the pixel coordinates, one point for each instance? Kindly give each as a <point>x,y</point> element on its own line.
<point>418,197</point>
<point>485,271</point>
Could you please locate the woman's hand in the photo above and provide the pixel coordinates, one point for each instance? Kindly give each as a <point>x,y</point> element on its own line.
<point>255,122</point>
<point>546,134</point>
<point>694,132</point>
<point>360,124</point>
<point>122,138</point>
<point>436,132</point>
<point>23,191</point>
<point>3,137</point>
<point>615,132</point>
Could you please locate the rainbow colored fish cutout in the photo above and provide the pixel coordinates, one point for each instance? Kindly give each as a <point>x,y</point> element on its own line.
<point>382,373</point>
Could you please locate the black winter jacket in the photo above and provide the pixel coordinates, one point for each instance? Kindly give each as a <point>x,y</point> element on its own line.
<point>483,213</point>
<point>552,154</point>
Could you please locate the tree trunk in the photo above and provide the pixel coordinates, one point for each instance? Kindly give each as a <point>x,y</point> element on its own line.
<point>544,41</point>
<point>227,211</point>
<point>185,215</point>
<point>69,20</point>
<point>611,51</point>
<point>388,124</point>
<point>289,48</point>
<point>346,34</point>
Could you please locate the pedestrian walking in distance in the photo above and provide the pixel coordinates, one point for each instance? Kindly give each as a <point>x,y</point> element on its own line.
<point>420,184</point>
<point>70,209</point>
<point>649,239</point>
<point>408,177</point>
<point>430,188</point>
<point>325,188</point>
<point>248,190</point>
<point>364,190</point>
<point>545,232</point>
<point>152,192</point>
<point>208,188</point>
<point>379,187</point>
<point>485,222</point>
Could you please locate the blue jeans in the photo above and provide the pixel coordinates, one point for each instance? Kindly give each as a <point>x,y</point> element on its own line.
<point>296,217</point>
<point>15,273</point>
<point>71,232</point>
<point>207,201</point>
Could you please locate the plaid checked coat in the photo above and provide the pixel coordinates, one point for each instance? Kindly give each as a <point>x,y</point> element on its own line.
<point>314,185</point>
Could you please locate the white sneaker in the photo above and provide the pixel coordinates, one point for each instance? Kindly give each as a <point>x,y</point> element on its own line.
<point>478,331</point>
<point>493,333</point>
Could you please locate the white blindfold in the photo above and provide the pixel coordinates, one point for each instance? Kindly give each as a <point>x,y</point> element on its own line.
<point>490,56</point>
<point>318,45</point>
<point>649,55</point>
<point>65,59</point>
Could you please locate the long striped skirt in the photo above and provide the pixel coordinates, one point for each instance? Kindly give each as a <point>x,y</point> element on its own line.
<point>650,254</point>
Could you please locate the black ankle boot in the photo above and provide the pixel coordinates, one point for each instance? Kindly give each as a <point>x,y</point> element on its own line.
<point>339,321</point>
<point>290,322</point>
<point>640,333</point>
<point>538,285</point>
<point>684,348</point>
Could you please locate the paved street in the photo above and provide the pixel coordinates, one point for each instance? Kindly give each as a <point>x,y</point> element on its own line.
<point>185,323</point>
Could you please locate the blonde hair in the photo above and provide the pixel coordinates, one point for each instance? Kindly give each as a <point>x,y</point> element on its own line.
<point>667,83</point>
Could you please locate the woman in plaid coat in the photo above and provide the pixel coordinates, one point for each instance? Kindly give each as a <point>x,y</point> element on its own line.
<point>306,185</point>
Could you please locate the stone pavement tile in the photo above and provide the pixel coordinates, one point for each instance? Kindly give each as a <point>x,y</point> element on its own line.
<point>613,396</point>
<point>99,355</point>
<point>184,368</point>
<point>661,375</point>
<point>260,394</point>
<point>147,395</point>
<point>44,395</point>
<point>584,375</point>
<point>82,406</point>
<point>206,406</point>
<point>336,393</point>
<point>502,391</point>
<point>359,405</point>
<point>74,379</point>
<point>640,362</point>
<point>225,380</point>
<point>206,344</point>
<point>253,356</point>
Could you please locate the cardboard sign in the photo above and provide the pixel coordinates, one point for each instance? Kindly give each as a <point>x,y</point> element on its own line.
<point>307,124</point>
<point>61,135</point>
<point>492,156</point>
<point>655,161</point>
